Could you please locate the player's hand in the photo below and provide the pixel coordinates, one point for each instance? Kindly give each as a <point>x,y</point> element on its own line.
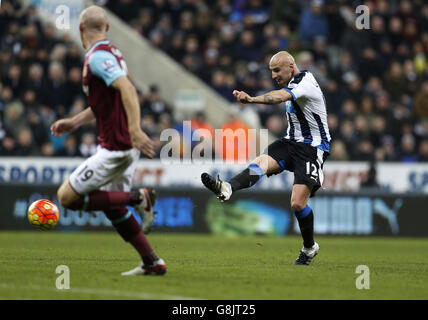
<point>143,143</point>
<point>242,96</point>
<point>59,127</point>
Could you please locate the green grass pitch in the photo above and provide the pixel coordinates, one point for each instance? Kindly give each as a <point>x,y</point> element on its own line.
<point>210,267</point>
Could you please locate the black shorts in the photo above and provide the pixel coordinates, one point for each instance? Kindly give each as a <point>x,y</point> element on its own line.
<point>301,158</point>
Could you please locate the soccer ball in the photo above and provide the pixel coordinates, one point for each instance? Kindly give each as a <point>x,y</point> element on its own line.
<point>43,214</point>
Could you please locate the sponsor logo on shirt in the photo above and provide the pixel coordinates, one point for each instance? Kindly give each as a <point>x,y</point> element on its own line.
<point>109,67</point>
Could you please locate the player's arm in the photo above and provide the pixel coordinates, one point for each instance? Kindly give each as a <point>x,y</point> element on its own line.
<point>104,65</point>
<point>272,97</point>
<point>129,98</point>
<point>62,126</point>
<point>84,117</point>
<point>131,104</point>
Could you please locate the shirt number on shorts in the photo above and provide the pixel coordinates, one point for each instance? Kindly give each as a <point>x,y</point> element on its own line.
<point>314,169</point>
<point>86,174</point>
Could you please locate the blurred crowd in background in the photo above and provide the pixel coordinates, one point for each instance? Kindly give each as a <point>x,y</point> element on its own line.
<point>375,81</point>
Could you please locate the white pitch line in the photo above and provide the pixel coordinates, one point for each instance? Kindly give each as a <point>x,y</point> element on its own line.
<point>102,291</point>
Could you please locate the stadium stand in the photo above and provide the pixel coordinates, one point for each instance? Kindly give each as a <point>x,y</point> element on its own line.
<point>375,81</point>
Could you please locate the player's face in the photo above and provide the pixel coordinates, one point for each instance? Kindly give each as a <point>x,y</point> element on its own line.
<point>281,73</point>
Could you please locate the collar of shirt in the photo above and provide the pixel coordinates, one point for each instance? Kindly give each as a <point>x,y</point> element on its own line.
<point>96,44</point>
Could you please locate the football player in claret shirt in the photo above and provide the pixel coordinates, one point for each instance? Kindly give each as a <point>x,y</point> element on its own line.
<point>103,181</point>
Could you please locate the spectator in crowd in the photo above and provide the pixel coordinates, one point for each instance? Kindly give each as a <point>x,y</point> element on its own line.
<point>276,125</point>
<point>234,133</point>
<point>313,21</point>
<point>70,148</point>
<point>73,87</point>
<point>8,146</point>
<point>47,149</point>
<point>88,146</point>
<point>370,181</point>
<point>423,151</point>
<point>395,83</point>
<point>36,81</point>
<point>408,151</point>
<point>365,151</point>
<point>421,129</point>
<point>25,144</point>
<point>156,105</point>
<point>14,79</point>
<point>246,48</point>
<point>348,136</point>
<point>389,153</point>
<point>334,96</point>
<point>338,151</point>
<point>38,130</point>
<point>56,90</point>
<point>204,131</point>
<point>220,85</point>
<point>200,122</point>
<point>420,108</point>
<point>14,117</point>
<point>149,126</point>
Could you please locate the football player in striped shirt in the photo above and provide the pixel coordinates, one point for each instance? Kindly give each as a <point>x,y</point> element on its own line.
<point>302,151</point>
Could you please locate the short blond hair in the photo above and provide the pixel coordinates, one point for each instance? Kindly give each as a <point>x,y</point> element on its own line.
<point>282,57</point>
<point>94,19</point>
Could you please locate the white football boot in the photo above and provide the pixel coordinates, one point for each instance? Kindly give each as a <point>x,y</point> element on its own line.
<point>157,268</point>
<point>307,254</point>
<point>222,189</point>
<point>145,208</point>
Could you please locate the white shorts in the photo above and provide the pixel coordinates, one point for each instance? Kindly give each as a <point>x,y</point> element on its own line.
<point>105,170</point>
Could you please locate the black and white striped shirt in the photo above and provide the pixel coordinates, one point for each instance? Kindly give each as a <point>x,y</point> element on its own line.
<point>307,112</point>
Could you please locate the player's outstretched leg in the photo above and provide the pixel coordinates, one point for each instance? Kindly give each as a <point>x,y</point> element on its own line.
<point>142,200</point>
<point>223,190</point>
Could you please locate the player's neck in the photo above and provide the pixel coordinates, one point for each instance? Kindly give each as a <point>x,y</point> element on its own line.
<point>93,40</point>
<point>296,71</point>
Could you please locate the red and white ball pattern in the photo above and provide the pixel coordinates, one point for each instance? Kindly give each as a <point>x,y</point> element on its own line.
<point>43,214</point>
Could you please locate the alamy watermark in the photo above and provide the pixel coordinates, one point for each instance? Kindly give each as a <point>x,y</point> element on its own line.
<point>63,280</point>
<point>202,146</point>
<point>362,22</point>
<point>363,280</point>
<point>62,21</point>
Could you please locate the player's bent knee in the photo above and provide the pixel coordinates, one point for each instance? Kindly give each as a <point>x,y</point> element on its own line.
<point>66,196</point>
<point>298,205</point>
<point>266,163</point>
<point>63,199</point>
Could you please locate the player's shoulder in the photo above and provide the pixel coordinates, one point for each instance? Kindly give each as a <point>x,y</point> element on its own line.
<point>299,77</point>
<point>100,57</point>
<point>305,79</point>
<point>113,50</point>
<point>105,50</point>
<point>105,46</point>
<point>106,65</point>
